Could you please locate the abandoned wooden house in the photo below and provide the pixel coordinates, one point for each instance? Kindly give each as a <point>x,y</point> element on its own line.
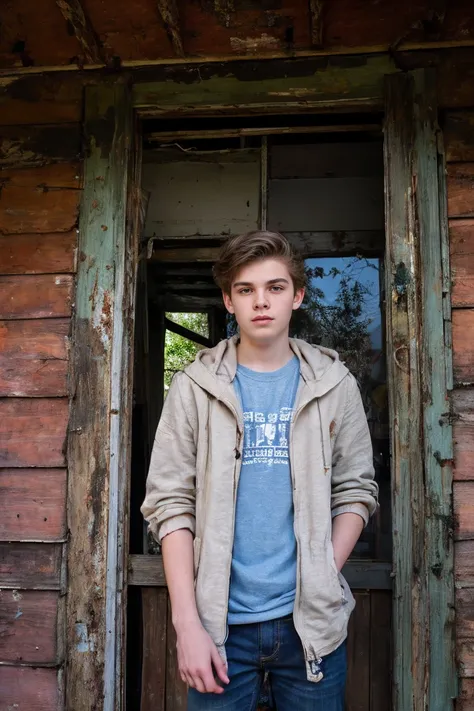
<point>133,138</point>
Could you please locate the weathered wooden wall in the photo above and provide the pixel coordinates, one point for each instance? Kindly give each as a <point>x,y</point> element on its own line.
<point>39,203</point>
<point>459,139</point>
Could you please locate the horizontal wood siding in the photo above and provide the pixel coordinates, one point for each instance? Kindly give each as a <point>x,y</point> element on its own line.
<point>459,140</point>
<point>38,236</point>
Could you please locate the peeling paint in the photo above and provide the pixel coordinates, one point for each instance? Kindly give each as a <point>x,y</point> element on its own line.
<point>85,642</point>
<point>254,44</point>
<point>16,595</point>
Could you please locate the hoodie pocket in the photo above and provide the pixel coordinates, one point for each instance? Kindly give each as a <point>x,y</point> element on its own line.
<point>196,554</point>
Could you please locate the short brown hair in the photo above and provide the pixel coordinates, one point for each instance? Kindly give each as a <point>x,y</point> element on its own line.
<point>254,246</point>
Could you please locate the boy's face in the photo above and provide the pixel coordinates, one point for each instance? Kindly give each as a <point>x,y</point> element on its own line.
<point>263,298</point>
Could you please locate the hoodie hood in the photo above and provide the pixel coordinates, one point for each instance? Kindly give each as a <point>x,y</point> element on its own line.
<point>214,368</point>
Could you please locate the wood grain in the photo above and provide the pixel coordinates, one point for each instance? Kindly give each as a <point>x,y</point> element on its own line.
<point>358,655</point>
<point>37,145</point>
<point>34,504</point>
<point>155,619</point>
<point>33,432</point>
<point>28,626</point>
<point>52,253</point>
<point>461,237</point>
<point>380,649</point>
<point>463,499</point>
<point>464,563</point>
<point>33,358</point>
<point>43,178</point>
<point>458,132</point>
<point>460,189</point>
<point>35,296</point>
<point>463,433</point>
<point>463,345</point>
<point>29,689</point>
<point>465,700</point>
<point>30,566</point>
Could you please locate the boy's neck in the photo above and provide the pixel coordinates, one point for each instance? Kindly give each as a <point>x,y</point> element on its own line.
<point>264,357</point>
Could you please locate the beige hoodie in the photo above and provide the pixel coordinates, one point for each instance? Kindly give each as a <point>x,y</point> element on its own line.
<point>194,473</point>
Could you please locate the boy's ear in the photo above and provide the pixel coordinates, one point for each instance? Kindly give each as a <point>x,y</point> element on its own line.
<point>298,298</point>
<point>227,302</point>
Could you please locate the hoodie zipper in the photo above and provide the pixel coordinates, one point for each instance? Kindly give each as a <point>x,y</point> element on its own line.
<point>316,661</point>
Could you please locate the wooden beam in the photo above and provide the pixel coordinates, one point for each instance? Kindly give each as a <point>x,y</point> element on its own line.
<point>316,12</point>
<point>419,363</point>
<point>187,333</point>
<point>74,14</point>
<point>172,136</point>
<point>170,15</point>
<point>100,412</point>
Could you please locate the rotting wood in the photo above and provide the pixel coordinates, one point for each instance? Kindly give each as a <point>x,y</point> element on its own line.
<point>316,9</point>
<point>169,12</point>
<point>37,145</point>
<point>33,432</point>
<point>458,130</point>
<point>53,99</point>
<point>461,233</point>
<point>28,623</point>
<point>51,253</point>
<point>34,504</point>
<point>75,15</point>
<point>98,435</point>
<point>464,564</point>
<point>30,566</point>
<point>423,550</point>
<point>463,428</point>
<point>169,136</point>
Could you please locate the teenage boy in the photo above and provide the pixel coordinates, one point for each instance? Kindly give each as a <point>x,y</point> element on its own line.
<point>260,483</point>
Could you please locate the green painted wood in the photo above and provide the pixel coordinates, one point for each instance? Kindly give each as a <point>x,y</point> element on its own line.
<point>417,305</point>
<point>100,401</point>
<point>352,81</point>
<point>437,431</point>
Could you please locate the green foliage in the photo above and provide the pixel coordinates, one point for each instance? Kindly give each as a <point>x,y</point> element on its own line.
<point>180,351</point>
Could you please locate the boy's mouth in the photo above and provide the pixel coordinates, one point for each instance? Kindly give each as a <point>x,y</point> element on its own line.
<point>262,318</point>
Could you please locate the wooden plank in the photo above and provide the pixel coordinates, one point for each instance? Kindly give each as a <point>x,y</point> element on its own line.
<point>463,432</point>
<point>36,145</point>
<point>29,209</point>
<point>176,690</point>
<point>34,504</point>
<point>463,345</point>
<point>28,622</point>
<point>380,650</point>
<point>461,237</point>
<point>52,253</point>
<point>358,655</point>
<point>418,299</point>
<point>465,614</point>
<point>463,499</point>
<point>357,81</point>
<point>464,702</point>
<point>458,131</point>
<point>30,566</point>
<point>33,432</point>
<point>147,570</point>
<point>35,296</point>
<point>464,564</point>
<point>33,358</point>
<point>78,20</point>
<point>460,189</point>
<point>30,689</point>
<point>155,620</point>
<point>98,443</point>
<point>53,99</point>
<point>43,178</point>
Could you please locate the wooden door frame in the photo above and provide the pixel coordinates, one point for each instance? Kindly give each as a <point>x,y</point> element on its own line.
<point>101,372</point>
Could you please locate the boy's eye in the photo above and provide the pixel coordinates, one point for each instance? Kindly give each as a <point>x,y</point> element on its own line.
<point>277,288</point>
<point>245,290</point>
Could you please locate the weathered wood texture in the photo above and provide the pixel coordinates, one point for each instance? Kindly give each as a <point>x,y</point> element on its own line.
<point>44,199</point>
<point>28,620</point>
<point>99,415</point>
<point>30,566</point>
<point>417,299</point>
<point>30,689</point>
<point>37,145</point>
<point>35,296</point>
<point>33,358</point>
<point>51,253</point>
<point>459,139</point>
<point>34,504</point>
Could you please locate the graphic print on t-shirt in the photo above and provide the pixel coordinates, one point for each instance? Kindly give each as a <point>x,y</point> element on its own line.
<point>266,437</point>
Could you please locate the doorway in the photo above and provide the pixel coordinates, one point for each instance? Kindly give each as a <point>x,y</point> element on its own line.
<point>322,186</point>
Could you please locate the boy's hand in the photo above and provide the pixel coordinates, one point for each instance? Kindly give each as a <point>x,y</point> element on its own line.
<point>197,655</point>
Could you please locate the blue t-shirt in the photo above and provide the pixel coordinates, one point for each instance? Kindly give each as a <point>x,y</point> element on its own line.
<point>263,574</point>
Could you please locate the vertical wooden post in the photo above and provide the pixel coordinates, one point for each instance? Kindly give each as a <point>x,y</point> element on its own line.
<point>100,387</point>
<point>417,320</point>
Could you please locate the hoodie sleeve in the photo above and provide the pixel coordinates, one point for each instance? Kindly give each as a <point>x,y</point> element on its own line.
<point>353,487</point>
<point>170,488</point>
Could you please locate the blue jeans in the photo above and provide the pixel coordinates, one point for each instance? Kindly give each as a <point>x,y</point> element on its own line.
<point>273,648</point>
